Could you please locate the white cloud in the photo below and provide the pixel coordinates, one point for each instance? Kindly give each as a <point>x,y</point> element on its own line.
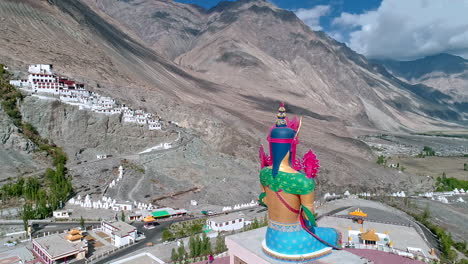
<point>403,29</point>
<point>312,16</point>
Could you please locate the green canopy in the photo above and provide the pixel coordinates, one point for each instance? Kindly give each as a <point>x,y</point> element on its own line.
<point>160,214</point>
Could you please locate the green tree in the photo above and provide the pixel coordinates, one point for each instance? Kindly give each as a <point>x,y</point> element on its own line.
<point>220,244</point>
<point>426,213</point>
<point>465,166</point>
<point>255,224</point>
<point>122,216</point>
<point>167,235</point>
<point>174,256</point>
<point>26,215</point>
<point>82,222</point>
<point>206,245</point>
<point>192,246</point>
<point>198,246</point>
<point>381,160</point>
<point>428,151</point>
<point>181,250</point>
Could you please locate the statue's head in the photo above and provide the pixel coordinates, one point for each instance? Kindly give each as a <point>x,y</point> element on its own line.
<point>281,138</point>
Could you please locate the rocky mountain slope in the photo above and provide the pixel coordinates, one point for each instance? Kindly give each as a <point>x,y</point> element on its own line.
<point>17,156</point>
<point>445,72</point>
<point>220,74</point>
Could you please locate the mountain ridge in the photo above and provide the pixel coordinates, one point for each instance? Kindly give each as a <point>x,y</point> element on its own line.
<point>444,72</point>
<point>223,85</point>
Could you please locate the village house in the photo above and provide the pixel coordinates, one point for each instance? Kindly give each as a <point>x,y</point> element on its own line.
<point>168,212</point>
<point>61,214</point>
<point>227,223</point>
<point>121,233</point>
<point>122,206</point>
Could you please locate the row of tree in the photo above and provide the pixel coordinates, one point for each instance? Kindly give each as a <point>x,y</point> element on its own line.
<point>199,248</point>
<point>448,184</point>
<point>183,229</point>
<point>257,224</point>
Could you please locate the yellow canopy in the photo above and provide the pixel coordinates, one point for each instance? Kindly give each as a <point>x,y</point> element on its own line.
<point>149,219</point>
<point>358,212</point>
<point>74,232</point>
<point>73,237</point>
<point>370,236</point>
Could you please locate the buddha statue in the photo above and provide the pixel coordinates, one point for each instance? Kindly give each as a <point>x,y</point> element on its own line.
<point>288,192</point>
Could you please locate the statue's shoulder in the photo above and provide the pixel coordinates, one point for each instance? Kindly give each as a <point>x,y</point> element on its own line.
<point>297,183</point>
<point>293,183</point>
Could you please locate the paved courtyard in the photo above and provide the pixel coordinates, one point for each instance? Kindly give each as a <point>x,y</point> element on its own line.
<point>98,242</point>
<point>378,215</point>
<point>401,236</point>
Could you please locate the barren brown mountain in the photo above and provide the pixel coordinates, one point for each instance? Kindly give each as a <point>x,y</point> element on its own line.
<point>445,72</point>
<point>220,74</point>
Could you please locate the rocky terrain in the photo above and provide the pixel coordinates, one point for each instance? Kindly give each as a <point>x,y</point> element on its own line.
<point>445,72</point>
<point>220,74</point>
<point>17,156</point>
<point>85,134</point>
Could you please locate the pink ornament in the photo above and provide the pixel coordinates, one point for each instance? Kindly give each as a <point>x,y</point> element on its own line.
<point>311,164</point>
<point>265,160</point>
<point>293,124</point>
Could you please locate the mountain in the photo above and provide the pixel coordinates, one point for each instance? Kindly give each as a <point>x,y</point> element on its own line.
<point>257,48</point>
<point>445,72</point>
<point>220,74</point>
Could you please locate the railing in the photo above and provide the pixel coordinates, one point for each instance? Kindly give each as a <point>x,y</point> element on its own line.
<point>95,258</point>
<point>396,251</point>
<point>194,260</point>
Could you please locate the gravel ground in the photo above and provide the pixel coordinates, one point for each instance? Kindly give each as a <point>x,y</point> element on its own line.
<point>410,145</point>
<point>453,217</point>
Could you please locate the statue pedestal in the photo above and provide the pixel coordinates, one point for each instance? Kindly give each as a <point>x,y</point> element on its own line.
<point>246,248</point>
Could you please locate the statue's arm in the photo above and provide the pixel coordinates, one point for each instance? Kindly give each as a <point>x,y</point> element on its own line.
<point>264,199</point>
<point>307,200</point>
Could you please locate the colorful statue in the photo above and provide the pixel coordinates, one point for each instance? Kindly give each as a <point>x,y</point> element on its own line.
<point>288,192</point>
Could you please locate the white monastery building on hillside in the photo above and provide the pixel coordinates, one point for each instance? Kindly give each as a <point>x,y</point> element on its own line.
<point>43,80</point>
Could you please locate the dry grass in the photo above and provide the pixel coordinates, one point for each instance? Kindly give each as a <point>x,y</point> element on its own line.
<point>98,244</point>
<point>89,238</point>
<point>102,235</point>
<point>434,166</point>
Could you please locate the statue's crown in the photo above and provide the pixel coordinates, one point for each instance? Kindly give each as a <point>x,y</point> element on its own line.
<point>281,122</point>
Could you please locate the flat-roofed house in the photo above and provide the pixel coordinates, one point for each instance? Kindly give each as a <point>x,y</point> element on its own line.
<point>227,223</point>
<point>121,233</point>
<point>60,247</point>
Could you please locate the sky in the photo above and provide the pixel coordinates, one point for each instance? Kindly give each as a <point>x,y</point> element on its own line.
<point>385,29</point>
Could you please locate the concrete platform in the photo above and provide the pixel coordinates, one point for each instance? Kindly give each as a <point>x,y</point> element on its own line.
<point>246,247</point>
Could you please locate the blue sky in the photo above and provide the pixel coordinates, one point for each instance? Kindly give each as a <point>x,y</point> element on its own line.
<point>337,6</point>
<point>394,29</point>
